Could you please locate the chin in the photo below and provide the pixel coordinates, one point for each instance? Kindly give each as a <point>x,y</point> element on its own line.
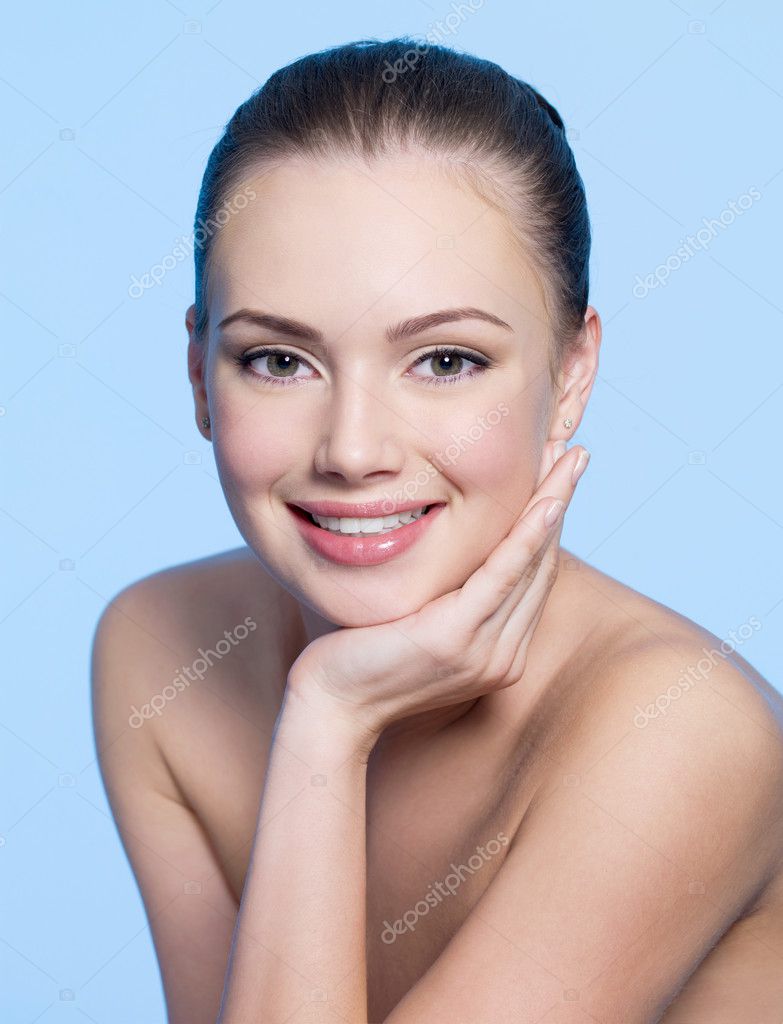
<point>352,597</point>
<point>336,605</point>
<point>345,602</point>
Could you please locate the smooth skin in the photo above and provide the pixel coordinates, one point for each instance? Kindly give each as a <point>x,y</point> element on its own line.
<point>353,252</point>
<point>457,648</point>
<point>380,725</point>
<point>343,691</point>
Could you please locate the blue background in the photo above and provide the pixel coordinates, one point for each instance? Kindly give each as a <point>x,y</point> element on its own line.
<point>109,115</point>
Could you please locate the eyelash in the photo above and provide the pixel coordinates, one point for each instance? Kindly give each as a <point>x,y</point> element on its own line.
<point>245,359</point>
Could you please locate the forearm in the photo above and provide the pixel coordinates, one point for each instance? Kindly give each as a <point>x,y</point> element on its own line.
<point>299,953</point>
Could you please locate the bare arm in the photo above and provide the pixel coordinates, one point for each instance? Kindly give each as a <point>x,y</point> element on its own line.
<point>189,905</point>
<point>299,952</point>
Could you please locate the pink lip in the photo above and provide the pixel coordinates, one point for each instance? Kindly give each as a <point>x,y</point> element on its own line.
<point>345,509</point>
<point>371,549</point>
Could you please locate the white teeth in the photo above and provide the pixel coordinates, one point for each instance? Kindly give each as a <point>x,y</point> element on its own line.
<point>371,525</point>
<point>357,526</point>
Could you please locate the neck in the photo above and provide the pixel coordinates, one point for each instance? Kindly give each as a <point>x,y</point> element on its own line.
<point>315,625</point>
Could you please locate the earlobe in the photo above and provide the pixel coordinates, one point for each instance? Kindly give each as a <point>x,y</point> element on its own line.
<point>190,319</point>
<point>196,359</point>
<point>578,373</point>
<point>196,369</point>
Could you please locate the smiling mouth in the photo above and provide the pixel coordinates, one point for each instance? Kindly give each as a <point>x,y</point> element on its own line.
<point>364,526</point>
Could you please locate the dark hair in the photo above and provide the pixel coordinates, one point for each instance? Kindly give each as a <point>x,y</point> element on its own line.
<point>369,98</point>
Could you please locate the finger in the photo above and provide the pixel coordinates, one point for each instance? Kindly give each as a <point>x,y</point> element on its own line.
<point>553,450</point>
<point>517,619</point>
<point>541,566</point>
<point>519,661</point>
<point>504,571</point>
<point>545,563</point>
<point>507,632</point>
<point>520,611</point>
<point>524,614</point>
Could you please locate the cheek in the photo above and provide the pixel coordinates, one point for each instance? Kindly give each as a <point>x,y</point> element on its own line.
<point>254,442</point>
<point>493,457</point>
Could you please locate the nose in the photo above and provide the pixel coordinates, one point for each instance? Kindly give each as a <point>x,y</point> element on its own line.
<point>359,437</point>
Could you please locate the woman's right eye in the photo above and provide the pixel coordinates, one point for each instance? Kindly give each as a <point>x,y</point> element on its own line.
<point>273,365</point>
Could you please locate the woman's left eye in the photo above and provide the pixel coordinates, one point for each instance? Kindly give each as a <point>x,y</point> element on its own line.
<point>448,362</point>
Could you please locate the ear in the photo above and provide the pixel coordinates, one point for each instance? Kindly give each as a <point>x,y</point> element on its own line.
<point>196,372</point>
<point>577,377</point>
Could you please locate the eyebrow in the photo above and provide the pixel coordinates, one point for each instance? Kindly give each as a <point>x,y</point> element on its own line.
<point>397,332</point>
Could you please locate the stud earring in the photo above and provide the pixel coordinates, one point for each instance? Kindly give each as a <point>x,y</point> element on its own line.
<point>205,422</point>
<point>568,423</point>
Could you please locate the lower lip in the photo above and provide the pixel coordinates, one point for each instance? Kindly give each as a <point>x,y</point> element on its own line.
<point>371,549</point>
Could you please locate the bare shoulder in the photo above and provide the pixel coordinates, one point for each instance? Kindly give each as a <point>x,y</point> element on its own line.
<point>180,699</point>
<point>196,594</point>
<point>206,629</point>
<point>677,670</point>
<point>665,714</point>
<point>639,651</point>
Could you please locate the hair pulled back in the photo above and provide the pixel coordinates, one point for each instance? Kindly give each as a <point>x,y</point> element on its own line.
<point>371,98</point>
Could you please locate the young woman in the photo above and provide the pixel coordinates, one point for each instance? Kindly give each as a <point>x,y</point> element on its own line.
<point>403,758</point>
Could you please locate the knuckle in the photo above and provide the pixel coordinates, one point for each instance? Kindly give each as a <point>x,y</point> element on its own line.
<point>449,652</point>
<point>504,669</point>
<point>530,570</point>
<point>509,579</point>
<point>479,659</point>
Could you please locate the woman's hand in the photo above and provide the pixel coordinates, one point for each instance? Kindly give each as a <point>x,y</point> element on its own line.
<point>456,648</point>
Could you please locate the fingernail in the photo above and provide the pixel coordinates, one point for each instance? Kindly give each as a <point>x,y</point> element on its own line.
<point>581,463</point>
<point>553,512</point>
<point>558,449</point>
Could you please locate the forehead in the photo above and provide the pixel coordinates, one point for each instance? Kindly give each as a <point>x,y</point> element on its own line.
<point>338,241</point>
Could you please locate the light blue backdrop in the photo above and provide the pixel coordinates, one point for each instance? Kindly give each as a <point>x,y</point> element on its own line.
<point>109,113</point>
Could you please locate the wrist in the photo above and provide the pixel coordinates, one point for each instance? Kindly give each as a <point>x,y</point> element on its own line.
<point>314,723</point>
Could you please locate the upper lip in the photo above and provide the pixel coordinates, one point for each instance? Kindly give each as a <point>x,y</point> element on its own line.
<point>347,510</point>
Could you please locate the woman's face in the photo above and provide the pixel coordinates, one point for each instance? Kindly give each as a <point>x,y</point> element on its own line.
<point>341,413</point>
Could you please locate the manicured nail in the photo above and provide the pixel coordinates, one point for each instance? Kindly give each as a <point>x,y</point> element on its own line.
<point>553,512</point>
<point>581,463</point>
<point>558,449</point>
